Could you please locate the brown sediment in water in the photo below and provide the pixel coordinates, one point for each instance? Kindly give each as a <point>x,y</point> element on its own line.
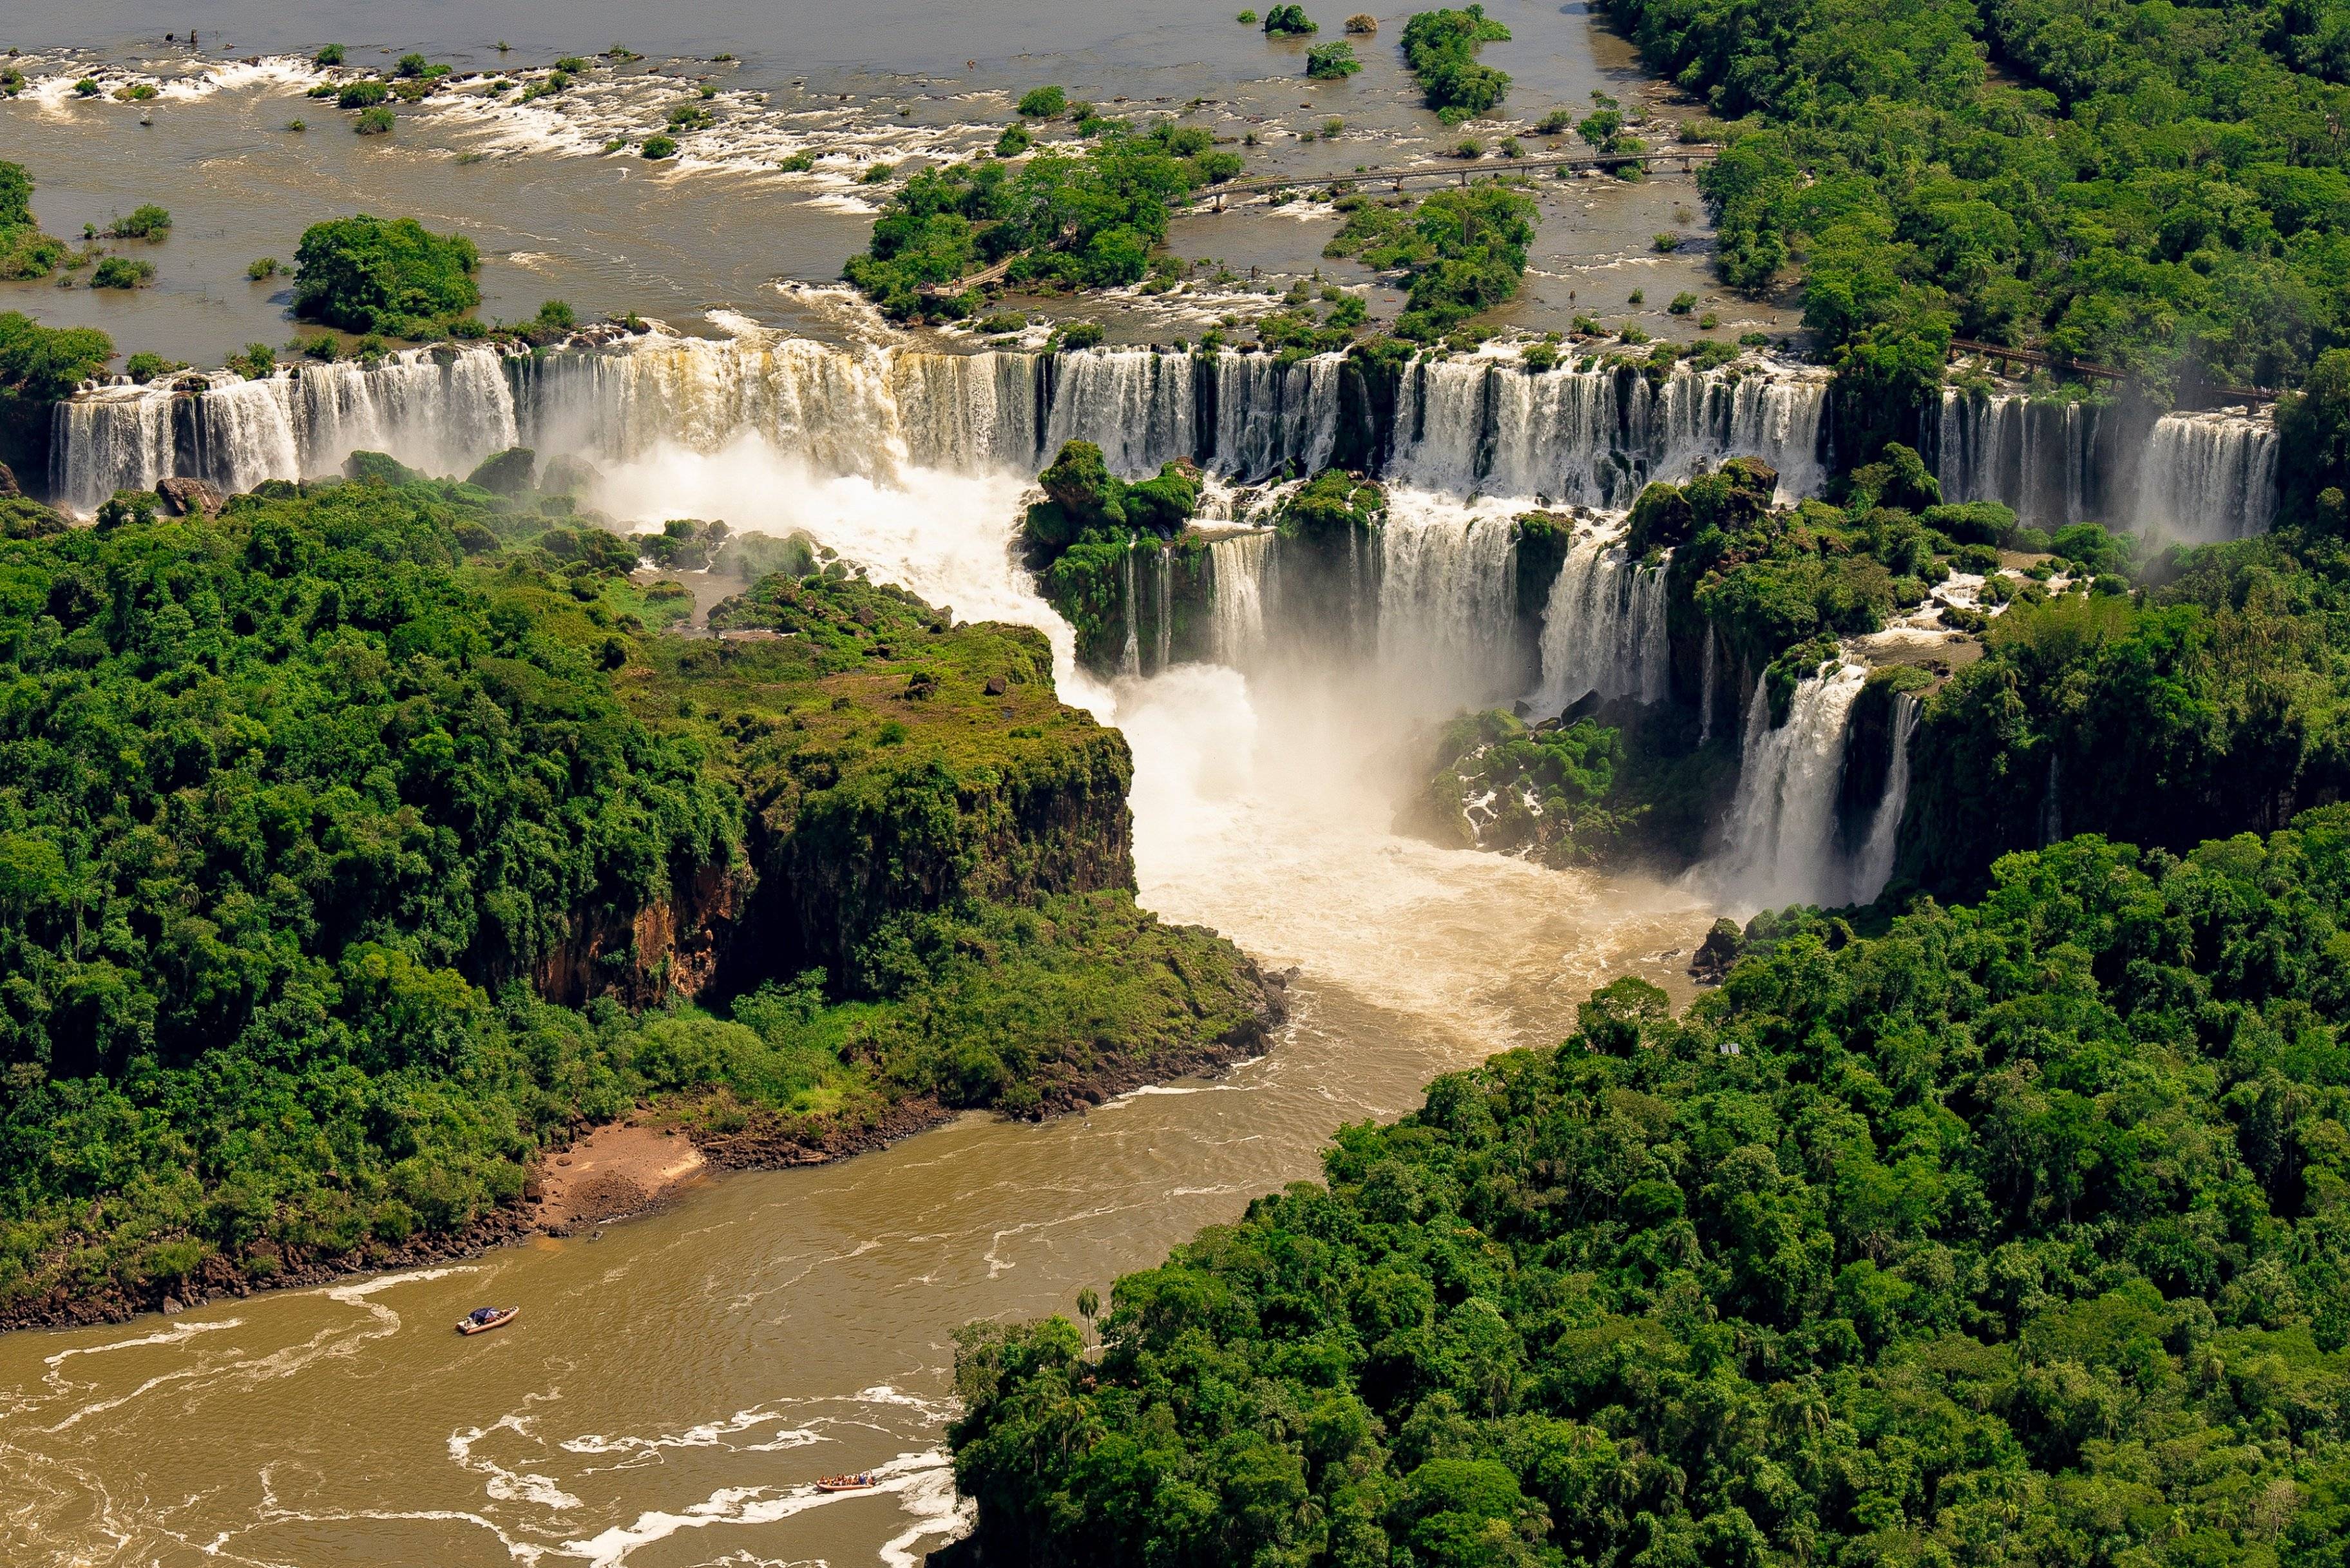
<point>627,1167</point>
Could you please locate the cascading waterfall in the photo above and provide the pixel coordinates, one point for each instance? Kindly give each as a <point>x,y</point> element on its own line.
<point>1446,618</point>
<point>1596,436</point>
<point>2039,457</point>
<point>1236,568</point>
<point>1604,628</point>
<point>1705,683</point>
<point>2194,477</point>
<point>1131,659</point>
<point>1271,416</point>
<point>1165,639</point>
<point>1781,846</point>
<point>1872,864</point>
<point>1138,406</point>
<point>2210,476</point>
<point>441,411</point>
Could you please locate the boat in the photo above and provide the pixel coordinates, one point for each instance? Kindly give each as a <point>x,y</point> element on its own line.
<point>498,1317</point>
<point>861,1481</point>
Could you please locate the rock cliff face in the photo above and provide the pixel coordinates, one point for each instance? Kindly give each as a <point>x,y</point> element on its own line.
<point>892,764</point>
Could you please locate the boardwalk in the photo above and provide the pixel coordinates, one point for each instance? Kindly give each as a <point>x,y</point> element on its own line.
<point>1462,171</point>
<point>2004,356</point>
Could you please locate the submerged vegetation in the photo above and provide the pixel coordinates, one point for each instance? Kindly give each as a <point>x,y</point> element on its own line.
<point>2013,1235</point>
<point>356,842</point>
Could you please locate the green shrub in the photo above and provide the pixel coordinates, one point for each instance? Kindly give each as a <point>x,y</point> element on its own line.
<point>1016,140</point>
<point>364,94</point>
<point>1289,21</point>
<point>1682,304</point>
<point>1332,61</point>
<point>122,272</point>
<point>87,88</point>
<point>1043,103</point>
<point>267,266</point>
<point>879,174</point>
<point>376,121</point>
<point>147,222</point>
<point>363,274</point>
<point>658,148</point>
<point>332,55</point>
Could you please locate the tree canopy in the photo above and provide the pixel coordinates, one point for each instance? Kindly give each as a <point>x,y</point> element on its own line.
<point>387,275</point>
<point>2014,1235</point>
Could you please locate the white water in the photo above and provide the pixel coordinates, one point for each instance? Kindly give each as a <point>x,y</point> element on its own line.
<point>1604,628</point>
<point>1781,836</point>
<point>1595,436</point>
<point>2192,477</point>
<point>1446,625</point>
<point>1872,864</point>
<point>2211,477</point>
<point>440,414</point>
<point>1236,568</point>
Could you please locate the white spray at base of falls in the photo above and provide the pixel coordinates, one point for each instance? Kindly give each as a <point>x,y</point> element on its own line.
<point>1782,823</point>
<point>1604,628</point>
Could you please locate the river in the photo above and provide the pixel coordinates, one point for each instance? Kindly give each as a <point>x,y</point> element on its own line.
<point>678,1381</point>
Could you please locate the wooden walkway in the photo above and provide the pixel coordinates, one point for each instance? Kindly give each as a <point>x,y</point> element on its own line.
<point>2004,356</point>
<point>1460,170</point>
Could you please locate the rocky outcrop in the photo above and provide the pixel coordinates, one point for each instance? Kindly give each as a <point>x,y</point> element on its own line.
<point>190,498</point>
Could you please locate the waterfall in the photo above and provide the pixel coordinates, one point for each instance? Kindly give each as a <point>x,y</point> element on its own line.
<point>1271,416</point>
<point>440,411</point>
<point>2209,476</point>
<point>1165,639</point>
<point>1872,865</point>
<point>1596,436</point>
<point>1130,661</point>
<point>1705,683</point>
<point>1135,404</point>
<point>2036,456</point>
<point>1235,568</point>
<point>1446,601</point>
<point>2195,477</point>
<point>1782,845</point>
<point>1604,628</point>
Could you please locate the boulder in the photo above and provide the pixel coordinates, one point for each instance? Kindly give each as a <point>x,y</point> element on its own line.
<point>8,482</point>
<point>508,472</point>
<point>1722,945</point>
<point>190,498</point>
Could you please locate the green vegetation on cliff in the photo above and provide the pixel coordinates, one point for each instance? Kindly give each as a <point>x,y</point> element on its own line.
<point>39,365</point>
<point>387,275</point>
<point>2159,186</point>
<point>2016,1235</point>
<point>1080,539</point>
<point>2218,699</point>
<point>1084,219</point>
<point>360,840</point>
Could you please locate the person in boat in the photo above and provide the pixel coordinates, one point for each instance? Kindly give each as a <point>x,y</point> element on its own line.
<point>484,1314</point>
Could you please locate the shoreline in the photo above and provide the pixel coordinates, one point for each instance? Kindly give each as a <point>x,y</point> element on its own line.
<point>630,1145</point>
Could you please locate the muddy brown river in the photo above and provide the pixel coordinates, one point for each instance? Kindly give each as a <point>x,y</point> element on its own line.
<point>675,1385</point>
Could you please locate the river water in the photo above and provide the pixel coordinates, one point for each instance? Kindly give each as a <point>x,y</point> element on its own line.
<point>677,1383</point>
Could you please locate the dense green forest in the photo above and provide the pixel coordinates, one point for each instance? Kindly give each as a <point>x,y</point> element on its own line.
<point>356,842</point>
<point>2014,1235</point>
<point>2158,186</point>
